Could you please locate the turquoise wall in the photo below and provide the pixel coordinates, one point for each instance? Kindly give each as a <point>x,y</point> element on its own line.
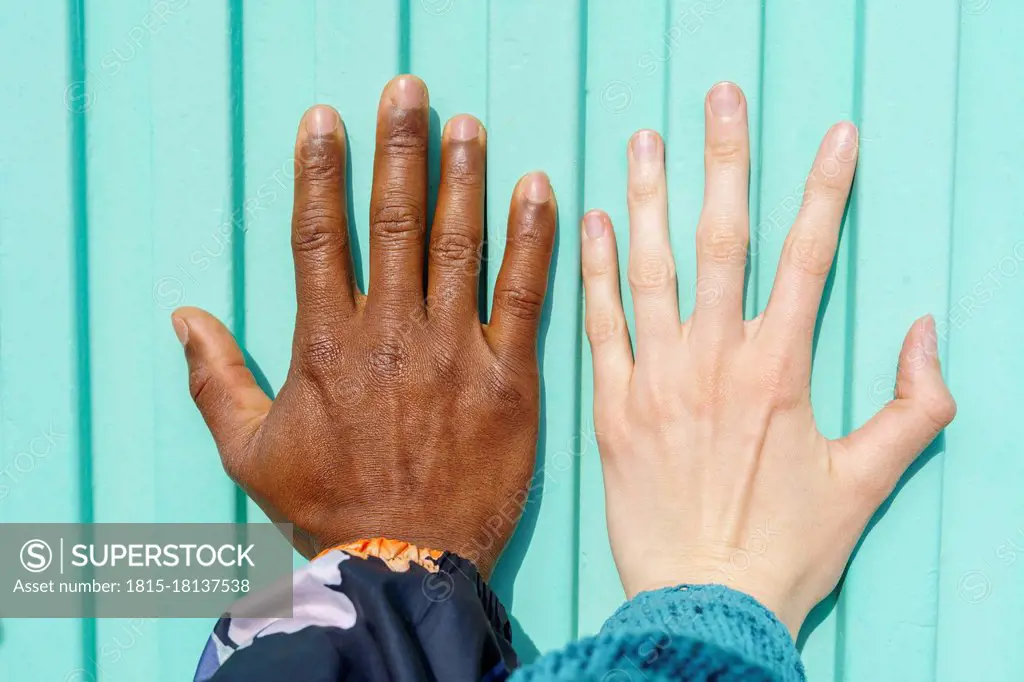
<point>145,153</point>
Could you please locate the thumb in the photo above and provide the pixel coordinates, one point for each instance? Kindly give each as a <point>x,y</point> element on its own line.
<point>223,388</point>
<point>883,448</point>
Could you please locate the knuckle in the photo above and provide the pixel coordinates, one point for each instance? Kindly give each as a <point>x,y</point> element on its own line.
<point>398,219</point>
<point>595,268</point>
<point>828,188</point>
<point>939,409</point>
<point>314,227</point>
<point>611,426</point>
<point>726,150</point>
<point>407,139</point>
<point>345,391</point>
<point>643,190</point>
<point>200,384</point>
<point>461,176</point>
<point>773,383</point>
<point>319,162</point>
<point>708,393</point>
<point>389,358</point>
<point>456,249</point>
<point>521,301</point>
<point>321,352</point>
<point>447,362</point>
<point>507,395</point>
<point>809,254</point>
<point>530,234</point>
<point>723,239</point>
<point>778,381</point>
<point>602,326</point>
<point>659,401</point>
<point>651,274</point>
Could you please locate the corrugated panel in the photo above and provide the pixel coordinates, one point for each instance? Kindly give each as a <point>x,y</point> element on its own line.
<point>145,162</point>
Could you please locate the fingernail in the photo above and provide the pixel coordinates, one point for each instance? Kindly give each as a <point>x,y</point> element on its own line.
<point>645,145</point>
<point>537,188</point>
<point>321,121</point>
<point>931,338</point>
<point>846,133</point>
<point>407,92</point>
<point>846,141</point>
<point>593,225</point>
<point>180,329</point>
<point>464,128</point>
<point>724,99</point>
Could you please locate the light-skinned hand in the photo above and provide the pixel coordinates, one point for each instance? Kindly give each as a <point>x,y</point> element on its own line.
<point>714,468</point>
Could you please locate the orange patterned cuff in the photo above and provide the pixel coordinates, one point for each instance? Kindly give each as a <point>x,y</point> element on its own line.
<point>395,553</point>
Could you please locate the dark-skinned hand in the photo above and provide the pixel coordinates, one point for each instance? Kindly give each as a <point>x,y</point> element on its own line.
<point>402,416</point>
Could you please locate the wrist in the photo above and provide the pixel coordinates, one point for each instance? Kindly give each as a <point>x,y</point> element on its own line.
<point>399,553</point>
<point>478,540</point>
<point>784,603</point>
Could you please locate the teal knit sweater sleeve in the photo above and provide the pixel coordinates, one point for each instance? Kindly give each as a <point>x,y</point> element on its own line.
<point>692,633</point>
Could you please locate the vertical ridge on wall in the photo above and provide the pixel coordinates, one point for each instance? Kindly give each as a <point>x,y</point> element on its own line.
<point>79,178</point>
<point>851,229</point>
<point>448,50</point>
<point>236,103</point>
<point>161,199</point>
<point>802,99</point>
<point>278,74</point>
<point>890,599</point>
<point>581,437</point>
<point>278,47</point>
<point>236,99</point>
<point>752,298</point>
<point>533,100</point>
<point>122,282</point>
<point>41,426</point>
<point>981,595</point>
<point>355,58</point>
<point>943,352</point>
<point>404,32</point>
<point>626,81</point>
<point>297,56</point>
<point>852,222</point>
<point>83,378</point>
<point>716,41</point>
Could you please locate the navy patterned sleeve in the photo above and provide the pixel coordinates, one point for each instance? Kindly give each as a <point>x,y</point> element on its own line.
<point>402,615</point>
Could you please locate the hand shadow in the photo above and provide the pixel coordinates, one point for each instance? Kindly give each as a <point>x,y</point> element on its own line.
<point>503,580</point>
<point>820,612</point>
<point>834,601</point>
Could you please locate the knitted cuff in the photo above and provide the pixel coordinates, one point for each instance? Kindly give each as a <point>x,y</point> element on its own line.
<point>731,620</point>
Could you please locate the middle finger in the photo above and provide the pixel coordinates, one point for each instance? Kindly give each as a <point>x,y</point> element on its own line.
<point>398,200</point>
<point>723,231</point>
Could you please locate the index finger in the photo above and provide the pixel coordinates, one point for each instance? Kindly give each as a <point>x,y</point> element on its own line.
<point>810,246</point>
<point>325,286</point>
